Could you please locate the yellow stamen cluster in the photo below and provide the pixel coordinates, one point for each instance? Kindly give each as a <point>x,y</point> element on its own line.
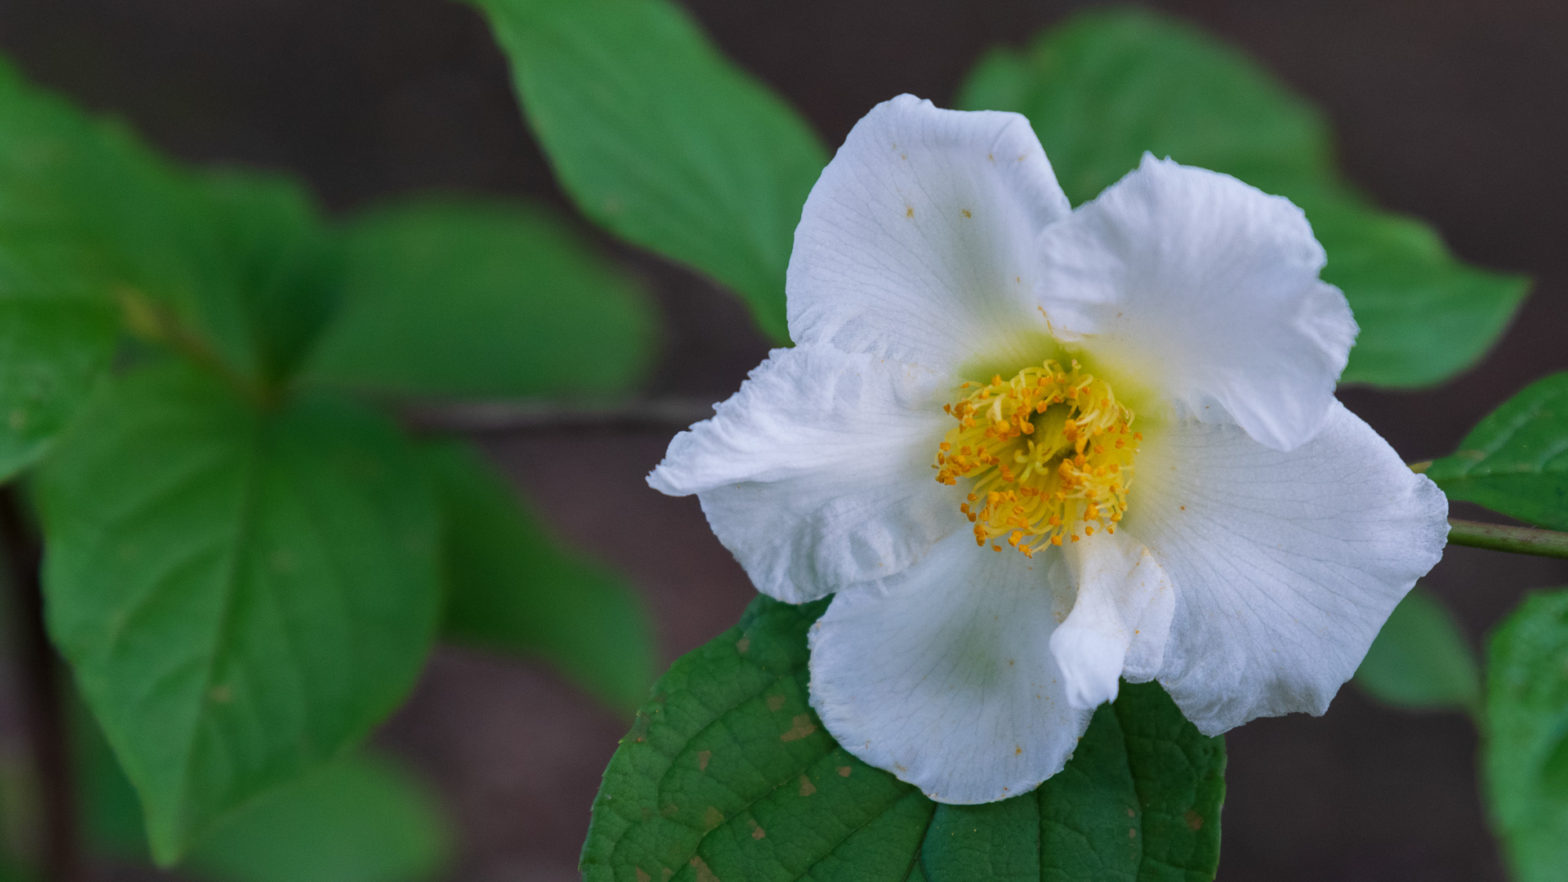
<point>1049,453</point>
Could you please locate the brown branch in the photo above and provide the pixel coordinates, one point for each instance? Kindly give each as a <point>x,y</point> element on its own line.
<point>502,417</point>
<point>42,692</point>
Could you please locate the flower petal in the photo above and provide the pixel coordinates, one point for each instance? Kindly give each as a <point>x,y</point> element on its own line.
<point>1195,278</point>
<point>944,675</point>
<point>817,473</point>
<point>1120,619</point>
<point>918,241</point>
<point>1285,565</point>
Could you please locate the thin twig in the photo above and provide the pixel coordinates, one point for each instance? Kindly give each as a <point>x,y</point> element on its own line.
<point>494,417</point>
<point>42,691</point>
<point>1500,537</point>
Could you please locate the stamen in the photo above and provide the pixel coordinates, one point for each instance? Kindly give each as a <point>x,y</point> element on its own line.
<point>1047,452</point>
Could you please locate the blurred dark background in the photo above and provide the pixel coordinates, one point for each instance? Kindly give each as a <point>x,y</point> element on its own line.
<point>1452,111</point>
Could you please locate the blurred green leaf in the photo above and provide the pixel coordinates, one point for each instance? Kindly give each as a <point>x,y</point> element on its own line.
<point>271,271</point>
<point>361,818</point>
<point>52,351</point>
<point>729,773</point>
<point>83,220</point>
<point>1420,659</point>
<point>470,299</point>
<point>1516,460</point>
<point>96,230</point>
<point>1110,84</point>
<point>661,140</point>
<point>1424,316</point>
<point>1525,749</point>
<point>241,594</point>
<point>511,587</point>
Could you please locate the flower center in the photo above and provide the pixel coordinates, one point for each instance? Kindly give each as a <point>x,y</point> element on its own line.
<point>1049,453</point>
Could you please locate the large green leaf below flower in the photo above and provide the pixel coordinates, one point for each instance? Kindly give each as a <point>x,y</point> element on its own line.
<point>661,140</point>
<point>1109,85</point>
<point>1516,460</point>
<point>727,774</point>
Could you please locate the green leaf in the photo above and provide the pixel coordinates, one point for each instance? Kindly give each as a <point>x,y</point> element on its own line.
<point>94,228</point>
<point>728,774</point>
<point>1421,660</point>
<point>511,587</point>
<point>1525,749</point>
<point>1516,460</point>
<point>241,594</point>
<point>1111,84</point>
<point>361,818</point>
<point>270,269</point>
<point>1424,316</point>
<point>52,352</point>
<point>1108,85</point>
<point>69,246</point>
<point>468,299</point>
<point>661,140</point>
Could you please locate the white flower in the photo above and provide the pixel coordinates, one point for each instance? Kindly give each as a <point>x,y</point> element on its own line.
<point>1032,450</point>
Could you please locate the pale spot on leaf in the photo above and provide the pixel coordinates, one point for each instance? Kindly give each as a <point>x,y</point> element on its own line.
<point>799,728</point>
<point>775,702</point>
<point>703,873</point>
<point>806,787</point>
<point>702,759</point>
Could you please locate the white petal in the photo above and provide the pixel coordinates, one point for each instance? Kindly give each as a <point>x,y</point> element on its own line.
<point>1120,619</point>
<point>918,241</point>
<point>1207,288</point>
<point>944,676</point>
<point>1285,565</point>
<point>817,473</point>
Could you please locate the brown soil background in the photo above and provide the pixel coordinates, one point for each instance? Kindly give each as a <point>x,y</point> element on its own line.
<point>1452,110</point>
